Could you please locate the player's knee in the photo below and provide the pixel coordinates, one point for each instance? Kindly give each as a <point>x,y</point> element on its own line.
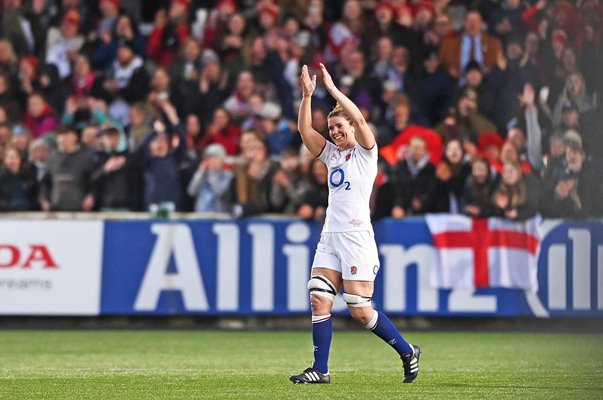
<point>360,307</point>
<point>321,287</point>
<point>322,293</point>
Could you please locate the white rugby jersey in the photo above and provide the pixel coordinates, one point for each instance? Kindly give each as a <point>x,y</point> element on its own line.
<point>351,176</point>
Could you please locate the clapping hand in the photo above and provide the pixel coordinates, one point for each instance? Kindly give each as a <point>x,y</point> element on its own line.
<point>326,78</point>
<point>308,84</point>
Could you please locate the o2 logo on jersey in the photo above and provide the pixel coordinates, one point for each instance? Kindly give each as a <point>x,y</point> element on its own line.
<point>337,178</point>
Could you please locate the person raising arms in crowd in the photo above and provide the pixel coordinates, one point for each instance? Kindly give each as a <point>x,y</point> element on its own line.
<point>347,253</point>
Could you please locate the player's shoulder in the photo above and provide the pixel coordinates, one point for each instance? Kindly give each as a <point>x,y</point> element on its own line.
<point>326,152</point>
<point>370,153</point>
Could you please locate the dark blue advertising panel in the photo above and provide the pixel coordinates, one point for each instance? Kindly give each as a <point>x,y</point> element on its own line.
<point>261,266</point>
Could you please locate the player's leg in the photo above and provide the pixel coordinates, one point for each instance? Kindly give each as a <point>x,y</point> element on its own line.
<point>357,295</point>
<point>360,264</point>
<point>323,285</point>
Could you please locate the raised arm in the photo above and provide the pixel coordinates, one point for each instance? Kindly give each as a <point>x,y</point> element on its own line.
<point>364,135</point>
<point>313,140</point>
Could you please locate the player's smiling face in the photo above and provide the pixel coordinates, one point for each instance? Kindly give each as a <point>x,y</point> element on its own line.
<point>341,131</point>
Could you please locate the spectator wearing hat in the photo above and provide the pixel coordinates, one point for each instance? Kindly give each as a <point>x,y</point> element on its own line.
<point>465,119</point>
<point>474,77</point>
<point>88,18</point>
<point>20,140</point>
<point>64,43</point>
<point>210,185</point>
<point>472,44</point>
<point>18,184</point>
<point>125,30</point>
<point>423,13</point>
<point>277,131</point>
<point>211,91</point>
<point>587,125</point>
<point>555,159</point>
<point>576,193</point>
<point>268,15</point>
<point>115,180</point>
<point>67,185</point>
<point>170,30</point>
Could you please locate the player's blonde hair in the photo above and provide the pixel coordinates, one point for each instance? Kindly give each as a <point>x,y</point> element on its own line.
<point>338,111</point>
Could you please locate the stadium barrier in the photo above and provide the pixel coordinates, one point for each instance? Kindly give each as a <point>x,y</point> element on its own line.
<point>220,267</point>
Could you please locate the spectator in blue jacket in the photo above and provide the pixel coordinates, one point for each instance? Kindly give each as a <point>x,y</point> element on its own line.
<point>161,163</point>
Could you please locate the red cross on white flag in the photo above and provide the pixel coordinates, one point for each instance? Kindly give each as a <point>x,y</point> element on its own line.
<point>476,253</point>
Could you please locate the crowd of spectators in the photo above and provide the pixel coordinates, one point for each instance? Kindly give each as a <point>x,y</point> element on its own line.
<point>481,107</point>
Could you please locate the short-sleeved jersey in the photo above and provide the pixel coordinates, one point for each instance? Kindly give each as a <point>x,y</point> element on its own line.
<point>351,177</point>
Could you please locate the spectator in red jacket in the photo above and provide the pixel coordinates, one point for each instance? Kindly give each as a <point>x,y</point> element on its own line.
<point>39,117</point>
<point>171,29</point>
<point>222,130</point>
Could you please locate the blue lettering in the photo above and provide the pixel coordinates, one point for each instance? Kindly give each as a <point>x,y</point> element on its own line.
<point>341,177</point>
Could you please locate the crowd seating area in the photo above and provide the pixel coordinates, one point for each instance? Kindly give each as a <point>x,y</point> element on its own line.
<point>482,107</point>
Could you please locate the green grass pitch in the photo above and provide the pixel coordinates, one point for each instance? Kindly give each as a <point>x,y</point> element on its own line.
<point>256,365</point>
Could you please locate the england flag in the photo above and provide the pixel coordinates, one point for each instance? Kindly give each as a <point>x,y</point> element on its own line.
<point>486,252</point>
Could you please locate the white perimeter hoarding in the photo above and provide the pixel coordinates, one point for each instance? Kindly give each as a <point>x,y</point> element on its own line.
<point>50,267</point>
